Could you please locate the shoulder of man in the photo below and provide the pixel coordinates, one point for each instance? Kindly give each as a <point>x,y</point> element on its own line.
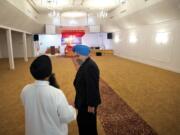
<point>27,87</point>
<point>92,65</point>
<point>58,92</point>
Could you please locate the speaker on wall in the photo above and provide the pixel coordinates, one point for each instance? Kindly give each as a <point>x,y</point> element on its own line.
<point>36,37</point>
<point>109,36</point>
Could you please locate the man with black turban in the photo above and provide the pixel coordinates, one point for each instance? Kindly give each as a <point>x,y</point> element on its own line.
<point>47,111</point>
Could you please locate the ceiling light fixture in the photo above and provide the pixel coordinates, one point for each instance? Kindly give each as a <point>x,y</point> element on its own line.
<point>51,4</point>
<point>54,13</point>
<point>101,4</point>
<point>102,14</point>
<point>74,14</point>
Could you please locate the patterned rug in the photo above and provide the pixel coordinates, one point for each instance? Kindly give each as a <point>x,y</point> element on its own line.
<point>116,116</point>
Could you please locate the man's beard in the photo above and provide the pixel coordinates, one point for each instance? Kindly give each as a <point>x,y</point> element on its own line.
<point>79,61</point>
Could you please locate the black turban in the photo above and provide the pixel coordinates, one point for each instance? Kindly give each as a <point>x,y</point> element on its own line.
<point>41,67</point>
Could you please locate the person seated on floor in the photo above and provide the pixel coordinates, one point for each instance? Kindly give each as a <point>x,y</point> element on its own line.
<point>47,111</point>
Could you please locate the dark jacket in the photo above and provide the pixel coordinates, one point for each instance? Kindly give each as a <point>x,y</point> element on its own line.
<point>86,84</point>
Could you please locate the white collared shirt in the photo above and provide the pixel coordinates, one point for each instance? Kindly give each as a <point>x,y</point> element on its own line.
<point>47,111</point>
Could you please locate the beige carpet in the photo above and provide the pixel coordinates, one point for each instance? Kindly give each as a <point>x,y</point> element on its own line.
<point>116,116</point>
<point>11,84</point>
<point>153,93</point>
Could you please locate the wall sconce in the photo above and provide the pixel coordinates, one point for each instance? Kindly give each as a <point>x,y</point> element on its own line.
<point>116,37</point>
<point>133,39</point>
<point>162,38</point>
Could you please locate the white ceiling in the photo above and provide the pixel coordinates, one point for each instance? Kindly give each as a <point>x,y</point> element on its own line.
<point>82,5</point>
<point>11,17</point>
<point>163,11</point>
<point>134,14</point>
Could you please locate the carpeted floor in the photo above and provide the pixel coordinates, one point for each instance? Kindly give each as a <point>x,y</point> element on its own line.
<point>116,116</point>
<point>11,84</point>
<point>150,93</point>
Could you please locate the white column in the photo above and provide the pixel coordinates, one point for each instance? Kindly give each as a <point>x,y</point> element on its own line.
<point>25,47</point>
<point>10,49</point>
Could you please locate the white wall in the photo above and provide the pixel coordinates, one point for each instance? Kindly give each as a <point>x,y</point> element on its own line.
<point>47,41</point>
<point>97,39</point>
<point>108,43</point>
<point>0,52</point>
<point>50,29</point>
<point>25,7</point>
<point>17,18</point>
<point>61,21</point>
<point>30,48</point>
<point>17,43</point>
<point>90,39</point>
<point>93,39</point>
<point>147,51</point>
<point>3,44</point>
